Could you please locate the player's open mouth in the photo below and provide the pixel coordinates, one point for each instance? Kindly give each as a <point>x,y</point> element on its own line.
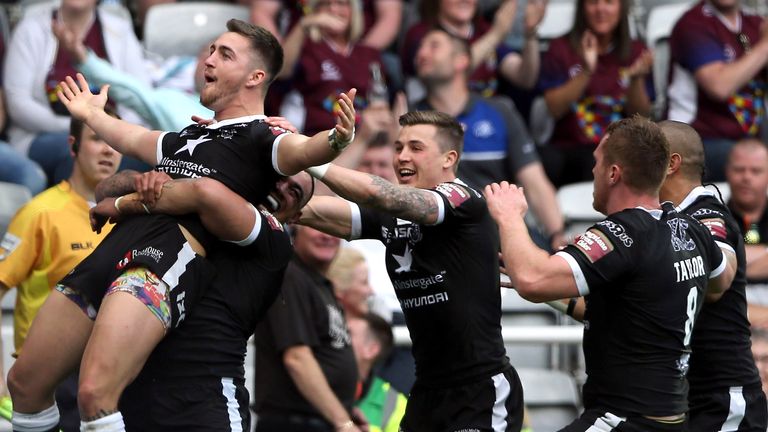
<point>106,164</point>
<point>405,172</point>
<point>209,78</point>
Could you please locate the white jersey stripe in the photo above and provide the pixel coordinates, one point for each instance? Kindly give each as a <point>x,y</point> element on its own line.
<point>254,232</point>
<point>275,145</point>
<point>440,208</point>
<point>736,410</point>
<point>233,407</point>
<point>606,423</point>
<point>356,225</point>
<point>171,277</point>
<point>503,390</point>
<point>720,268</point>
<point>159,148</point>
<point>578,274</point>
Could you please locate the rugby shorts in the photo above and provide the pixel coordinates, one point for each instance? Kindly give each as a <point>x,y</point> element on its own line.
<point>741,409</point>
<point>204,404</point>
<point>156,244</point>
<point>488,404</point>
<point>600,420</point>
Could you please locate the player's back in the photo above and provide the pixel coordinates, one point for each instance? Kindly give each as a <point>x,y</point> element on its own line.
<point>641,308</point>
<point>722,355</point>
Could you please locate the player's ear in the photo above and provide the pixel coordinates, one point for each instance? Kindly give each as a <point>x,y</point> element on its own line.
<point>256,77</point>
<point>451,158</point>
<point>675,160</point>
<point>615,174</point>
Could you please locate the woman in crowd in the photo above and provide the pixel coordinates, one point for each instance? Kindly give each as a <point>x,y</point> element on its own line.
<point>35,65</point>
<point>594,75</point>
<point>323,53</point>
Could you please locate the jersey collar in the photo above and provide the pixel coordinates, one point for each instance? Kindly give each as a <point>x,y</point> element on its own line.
<point>695,194</point>
<point>244,119</point>
<point>654,213</point>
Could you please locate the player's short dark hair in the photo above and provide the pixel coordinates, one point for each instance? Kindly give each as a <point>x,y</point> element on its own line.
<point>76,128</point>
<point>450,134</point>
<point>268,50</point>
<point>639,146</point>
<point>381,331</point>
<point>685,141</point>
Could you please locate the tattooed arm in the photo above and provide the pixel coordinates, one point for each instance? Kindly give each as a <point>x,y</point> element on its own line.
<point>409,203</point>
<point>119,184</point>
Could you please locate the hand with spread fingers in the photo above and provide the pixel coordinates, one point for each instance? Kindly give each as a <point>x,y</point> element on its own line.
<point>79,100</point>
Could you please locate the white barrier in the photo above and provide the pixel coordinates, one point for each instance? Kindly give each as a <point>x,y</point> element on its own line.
<point>517,334</point>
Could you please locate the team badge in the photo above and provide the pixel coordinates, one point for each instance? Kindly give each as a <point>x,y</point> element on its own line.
<point>455,194</point>
<point>594,245</point>
<point>716,227</point>
<point>272,221</point>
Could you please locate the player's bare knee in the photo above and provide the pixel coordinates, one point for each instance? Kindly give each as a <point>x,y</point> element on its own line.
<point>94,395</point>
<point>27,393</point>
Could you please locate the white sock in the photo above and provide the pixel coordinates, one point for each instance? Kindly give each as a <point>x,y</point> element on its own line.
<point>110,423</point>
<point>42,421</point>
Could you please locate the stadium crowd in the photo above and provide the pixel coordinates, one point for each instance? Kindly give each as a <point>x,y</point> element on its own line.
<point>320,270</point>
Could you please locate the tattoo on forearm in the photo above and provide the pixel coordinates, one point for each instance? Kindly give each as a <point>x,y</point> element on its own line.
<point>411,203</point>
<point>118,185</point>
<point>102,413</point>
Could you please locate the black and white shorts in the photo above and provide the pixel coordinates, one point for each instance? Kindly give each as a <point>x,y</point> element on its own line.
<point>600,420</point>
<point>491,404</point>
<point>154,242</point>
<point>741,409</point>
<point>186,405</point>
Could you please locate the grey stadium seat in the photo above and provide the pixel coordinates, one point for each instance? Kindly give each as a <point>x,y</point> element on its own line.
<point>183,28</point>
<point>12,197</point>
<point>551,397</point>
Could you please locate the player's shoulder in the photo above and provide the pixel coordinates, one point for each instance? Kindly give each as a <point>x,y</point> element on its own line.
<point>457,192</point>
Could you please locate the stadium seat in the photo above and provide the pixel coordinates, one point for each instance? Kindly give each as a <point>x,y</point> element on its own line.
<point>575,201</point>
<point>12,197</point>
<point>661,20</point>
<point>516,311</point>
<point>183,28</point>
<point>551,396</point>
<point>558,20</point>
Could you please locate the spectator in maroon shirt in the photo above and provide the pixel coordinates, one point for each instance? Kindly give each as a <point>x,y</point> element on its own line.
<point>323,53</point>
<point>594,75</point>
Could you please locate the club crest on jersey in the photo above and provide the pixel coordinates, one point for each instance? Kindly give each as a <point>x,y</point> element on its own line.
<point>272,221</point>
<point>456,194</point>
<point>716,227</point>
<point>594,244</point>
<point>679,238</point>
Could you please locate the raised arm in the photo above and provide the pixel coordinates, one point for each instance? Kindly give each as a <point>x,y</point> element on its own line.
<point>298,152</point>
<point>129,139</point>
<point>409,203</point>
<point>536,275</point>
<point>559,99</point>
<point>223,213</point>
<point>331,215</point>
<point>721,80</point>
<point>389,16</point>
